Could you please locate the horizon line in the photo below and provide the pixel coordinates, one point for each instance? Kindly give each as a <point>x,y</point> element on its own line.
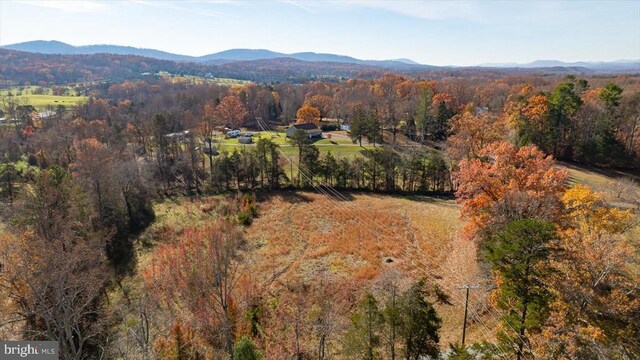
<point>483,64</point>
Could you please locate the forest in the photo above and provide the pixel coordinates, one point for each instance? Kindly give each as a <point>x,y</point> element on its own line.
<point>122,239</point>
<point>20,67</point>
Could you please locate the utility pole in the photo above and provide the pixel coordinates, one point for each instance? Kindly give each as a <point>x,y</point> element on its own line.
<point>466,305</point>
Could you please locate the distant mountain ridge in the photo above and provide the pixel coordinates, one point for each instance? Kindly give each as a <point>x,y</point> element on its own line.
<point>305,64</point>
<point>617,65</point>
<point>223,57</point>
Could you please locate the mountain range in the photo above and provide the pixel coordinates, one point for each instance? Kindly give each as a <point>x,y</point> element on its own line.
<point>219,58</point>
<point>236,55</point>
<point>593,65</point>
<point>253,63</point>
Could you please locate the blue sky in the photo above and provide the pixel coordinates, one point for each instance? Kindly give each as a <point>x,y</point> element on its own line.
<point>430,32</point>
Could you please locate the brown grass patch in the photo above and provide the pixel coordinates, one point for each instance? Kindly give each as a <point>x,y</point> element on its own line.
<point>302,241</point>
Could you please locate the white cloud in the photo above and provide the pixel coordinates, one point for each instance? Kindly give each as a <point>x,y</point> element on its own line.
<point>178,5</point>
<point>301,5</point>
<point>431,10</point>
<point>69,6</point>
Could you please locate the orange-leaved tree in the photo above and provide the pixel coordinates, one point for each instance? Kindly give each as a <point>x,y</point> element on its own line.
<point>308,114</point>
<point>231,112</point>
<point>505,183</point>
<point>529,119</point>
<point>321,102</point>
<point>470,133</point>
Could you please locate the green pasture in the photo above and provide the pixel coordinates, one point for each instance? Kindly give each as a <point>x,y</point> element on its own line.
<point>339,147</point>
<point>40,102</point>
<point>199,79</point>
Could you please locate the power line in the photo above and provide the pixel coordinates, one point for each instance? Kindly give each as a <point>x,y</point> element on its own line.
<point>466,305</point>
<point>336,197</point>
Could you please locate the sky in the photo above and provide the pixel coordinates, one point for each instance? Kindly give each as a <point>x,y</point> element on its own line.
<point>429,32</point>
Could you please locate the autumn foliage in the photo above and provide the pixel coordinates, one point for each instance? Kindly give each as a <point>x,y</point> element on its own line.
<point>200,273</point>
<point>308,114</point>
<point>505,183</point>
<point>596,300</point>
<point>231,112</point>
<point>591,299</point>
<point>471,133</point>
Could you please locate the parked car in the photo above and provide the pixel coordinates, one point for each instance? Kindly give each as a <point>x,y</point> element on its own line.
<point>233,133</point>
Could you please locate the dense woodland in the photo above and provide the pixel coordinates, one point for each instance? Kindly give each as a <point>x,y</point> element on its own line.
<point>19,67</point>
<point>80,186</point>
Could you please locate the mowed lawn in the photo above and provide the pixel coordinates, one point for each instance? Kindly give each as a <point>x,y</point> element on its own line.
<point>338,146</point>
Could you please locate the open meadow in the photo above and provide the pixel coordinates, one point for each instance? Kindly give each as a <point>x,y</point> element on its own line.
<point>301,237</point>
<point>41,101</point>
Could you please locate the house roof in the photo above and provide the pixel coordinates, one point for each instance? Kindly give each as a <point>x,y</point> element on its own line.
<point>46,113</point>
<point>178,134</point>
<point>306,126</point>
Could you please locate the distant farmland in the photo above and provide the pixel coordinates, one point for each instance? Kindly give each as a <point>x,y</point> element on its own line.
<point>27,96</point>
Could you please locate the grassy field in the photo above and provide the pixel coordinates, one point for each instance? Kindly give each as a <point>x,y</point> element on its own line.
<point>596,178</point>
<point>338,146</point>
<point>40,102</point>
<point>301,236</point>
<point>620,188</point>
<point>199,80</point>
<point>304,235</point>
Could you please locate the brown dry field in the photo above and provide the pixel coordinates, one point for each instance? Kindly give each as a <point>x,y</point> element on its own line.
<point>306,235</point>
<point>300,237</point>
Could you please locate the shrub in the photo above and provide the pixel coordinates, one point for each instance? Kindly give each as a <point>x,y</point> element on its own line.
<point>245,349</point>
<point>328,127</point>
<point>244,218</point>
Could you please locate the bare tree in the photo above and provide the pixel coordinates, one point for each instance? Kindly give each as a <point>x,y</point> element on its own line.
<point>55,274</point>
<point>202,274</point>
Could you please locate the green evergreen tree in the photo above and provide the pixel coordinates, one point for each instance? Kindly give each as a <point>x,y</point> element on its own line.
<point>373,131</point>
<point>420,324</point>
<point>245,349</point>
<point>357,127</point>
<point>329,168</point>
<point>564,103</point>
<point>611,95</point>
<point>309,164</point>
<point>518,254</point>
<point>393,319</point>
<point>440,127</point>
<point>459,352</point>
<point>423,117</point>
<point>363,337</point>
<point>300,140</point>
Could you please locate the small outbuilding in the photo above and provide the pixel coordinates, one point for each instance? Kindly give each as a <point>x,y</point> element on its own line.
<point>310,129</point>
<point>179,136</point>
